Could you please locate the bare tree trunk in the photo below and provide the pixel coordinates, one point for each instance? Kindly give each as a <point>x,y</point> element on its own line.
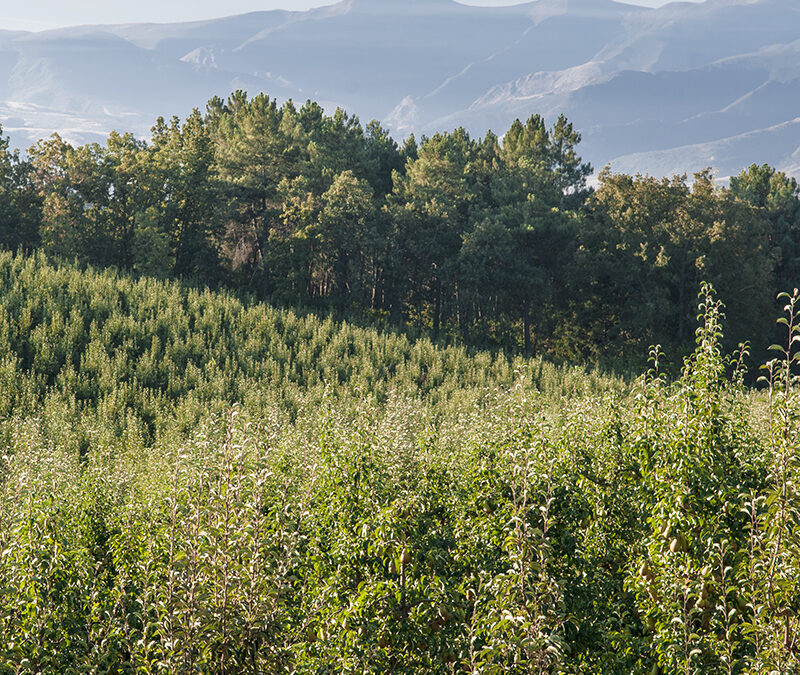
<point>526,329</point>
<point>437,306</point>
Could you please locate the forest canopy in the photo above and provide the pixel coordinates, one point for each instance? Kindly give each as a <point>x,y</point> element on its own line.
<point>492,241</point>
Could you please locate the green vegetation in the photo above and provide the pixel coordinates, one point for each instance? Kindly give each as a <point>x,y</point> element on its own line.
<point>190,484</point>
<point>486,242</point>
<point>194,481</point>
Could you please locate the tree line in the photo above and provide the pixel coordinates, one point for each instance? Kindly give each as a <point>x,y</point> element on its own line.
<point>480,240</point>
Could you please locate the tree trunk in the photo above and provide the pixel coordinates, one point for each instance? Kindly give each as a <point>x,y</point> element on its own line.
<point>526,329</point>
<point>437,306</point>
<point>461,316</point>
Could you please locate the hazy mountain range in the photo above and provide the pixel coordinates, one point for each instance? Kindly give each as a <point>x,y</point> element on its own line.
<point>658,90</point>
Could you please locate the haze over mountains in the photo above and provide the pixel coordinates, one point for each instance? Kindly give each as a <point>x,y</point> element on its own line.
<point>653,90</point>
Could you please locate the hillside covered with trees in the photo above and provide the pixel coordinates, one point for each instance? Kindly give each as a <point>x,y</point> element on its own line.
<point>482,241</point>
<point>190,484</point>
<point>269,404</point>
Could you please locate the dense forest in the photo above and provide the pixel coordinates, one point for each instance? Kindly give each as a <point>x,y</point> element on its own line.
<point>478,241</point>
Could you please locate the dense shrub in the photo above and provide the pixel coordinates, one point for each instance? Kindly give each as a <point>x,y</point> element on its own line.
<point>192,484</point>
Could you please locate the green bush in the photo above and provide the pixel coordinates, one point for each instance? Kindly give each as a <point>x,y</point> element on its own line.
<point>193,484</point>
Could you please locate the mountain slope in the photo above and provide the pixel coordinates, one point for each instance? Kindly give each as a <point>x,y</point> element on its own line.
<point>637,82</point>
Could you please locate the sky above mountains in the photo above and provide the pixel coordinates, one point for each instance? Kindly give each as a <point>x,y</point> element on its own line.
<point>44,14</point>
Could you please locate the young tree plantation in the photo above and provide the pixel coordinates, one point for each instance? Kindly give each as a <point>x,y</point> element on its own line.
<point>281,395</point>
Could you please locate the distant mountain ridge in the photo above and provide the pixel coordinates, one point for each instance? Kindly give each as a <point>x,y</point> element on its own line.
<point>653,90</point>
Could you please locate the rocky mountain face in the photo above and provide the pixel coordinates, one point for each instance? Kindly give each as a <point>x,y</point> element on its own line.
<point>663,90</point>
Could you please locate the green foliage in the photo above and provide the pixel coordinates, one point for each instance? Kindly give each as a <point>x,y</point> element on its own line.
<point>493,241</point>
<point>647,248</point>
<point>192,484</point>
<point>692,575</point>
